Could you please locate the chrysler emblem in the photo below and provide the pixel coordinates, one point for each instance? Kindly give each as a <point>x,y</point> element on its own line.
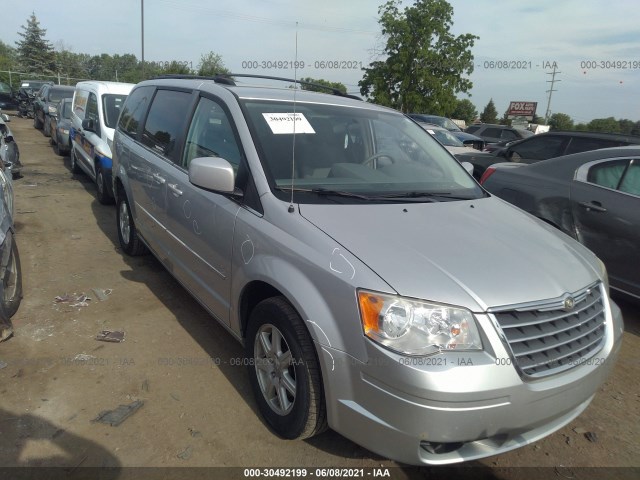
<point>569,303</point>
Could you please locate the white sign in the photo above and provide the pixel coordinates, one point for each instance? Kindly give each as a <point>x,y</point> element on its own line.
<point>286,123</point>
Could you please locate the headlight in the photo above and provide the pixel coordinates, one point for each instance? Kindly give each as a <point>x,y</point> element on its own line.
<point>413,327</point>
<point>65,131</point>
<point>52,109</point>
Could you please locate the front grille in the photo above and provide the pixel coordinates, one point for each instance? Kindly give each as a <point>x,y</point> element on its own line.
<point>545,338</point>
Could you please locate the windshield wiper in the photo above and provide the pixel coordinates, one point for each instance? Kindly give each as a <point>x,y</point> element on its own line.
<point>326,191</point>
<point>418,194</point>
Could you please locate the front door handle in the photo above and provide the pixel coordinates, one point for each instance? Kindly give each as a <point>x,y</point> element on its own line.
<point>174,189</point>
<point>158,178</point>
<point>595,206</point>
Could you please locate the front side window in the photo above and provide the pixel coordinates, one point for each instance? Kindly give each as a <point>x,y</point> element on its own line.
<point>508,135</point>
<point>211,135</point>
<point>92,112</point>
<point>539,148</point>
<point>357,150</point>
<point>608,174</point>
<point>165,122</point>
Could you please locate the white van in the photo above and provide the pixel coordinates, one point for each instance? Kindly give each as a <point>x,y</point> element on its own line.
<point>95,111</point>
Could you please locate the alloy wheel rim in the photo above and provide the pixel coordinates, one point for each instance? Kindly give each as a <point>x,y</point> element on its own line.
<point>125,228</point>
<point>275,369</point>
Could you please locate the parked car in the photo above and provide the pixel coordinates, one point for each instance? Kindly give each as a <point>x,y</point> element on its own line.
<point>549,145</point>
<point>9,152</point>
<point>27,94</point>
<point>446,138</point>
<point>444,122</point>
<point>60,126</point>
<point>7,97</point>
<point>498,133</point>
<point>592,196</point>
<point>342,263</point>
<point>10,271</point>
<point>45,104</point>
<point>95,110</point>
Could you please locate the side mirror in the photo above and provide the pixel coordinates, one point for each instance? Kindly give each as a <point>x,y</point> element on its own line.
<point>468,167</point>
<point>214,174</point>
<point>87,124</point>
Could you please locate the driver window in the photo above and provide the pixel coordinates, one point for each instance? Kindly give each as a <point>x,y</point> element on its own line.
<point>92,113</point>
<point>211,135</point>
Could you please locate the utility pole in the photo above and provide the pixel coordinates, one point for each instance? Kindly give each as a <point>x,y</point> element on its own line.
<point>142,33</point>
<point>550,91</point>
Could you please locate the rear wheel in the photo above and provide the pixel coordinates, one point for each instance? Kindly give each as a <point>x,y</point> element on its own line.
<point>127,232</point>
<point>284,371</point>
<point>36,122</point>
<point>47,127</point>
<point>56,145</point>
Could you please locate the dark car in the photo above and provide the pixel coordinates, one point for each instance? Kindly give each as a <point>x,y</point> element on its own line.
<point>550,145</point>
<point>45,104</point>
<point>60,127</point>
<point>7,98</point>
<point>592,196</point>
<point>491,133</point>
<point>9,152</point>
<point>26,95</point>
<point>444,122</point>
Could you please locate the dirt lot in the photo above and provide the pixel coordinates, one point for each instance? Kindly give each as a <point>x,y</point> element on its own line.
<point>198,409</point>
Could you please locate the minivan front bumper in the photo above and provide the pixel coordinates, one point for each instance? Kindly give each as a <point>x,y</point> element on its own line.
<point>454,407</point>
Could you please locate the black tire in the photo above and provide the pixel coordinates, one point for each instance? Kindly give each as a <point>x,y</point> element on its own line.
<point>47,127</point>
<point>73,162</point>
<point>296,414</point>
<point>127,232</point>
<point>36,122</point>
<point>102,188</point>
<point>56,145</point>
<point>10,278</point>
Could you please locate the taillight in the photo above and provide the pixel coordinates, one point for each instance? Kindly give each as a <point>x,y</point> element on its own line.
<point>487,173</point>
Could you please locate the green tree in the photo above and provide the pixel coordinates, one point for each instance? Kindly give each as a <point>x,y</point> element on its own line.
<point>425,63</point>
<point>177,67</point>
<point>34,52</point>
<point>210,64</point>
<point>465,110</point>
<point>505,120</point>
<point>626,126</point>
<point>560,121</point>
<point>321,81</point>
<point>581,127</point>
<point>489,114</point>
<point>607,125</point>
<point>7,59</point>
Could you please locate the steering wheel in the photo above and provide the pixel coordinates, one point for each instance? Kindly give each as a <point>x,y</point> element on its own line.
<point>369,161</point>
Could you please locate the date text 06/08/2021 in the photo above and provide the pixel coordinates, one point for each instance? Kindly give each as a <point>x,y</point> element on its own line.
<point>301,64</point>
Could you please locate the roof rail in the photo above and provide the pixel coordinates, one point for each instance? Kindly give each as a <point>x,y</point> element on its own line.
<point>218,77</point>
<point>334,91</point>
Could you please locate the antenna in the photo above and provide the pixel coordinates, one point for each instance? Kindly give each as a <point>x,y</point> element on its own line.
<point>293,150</point>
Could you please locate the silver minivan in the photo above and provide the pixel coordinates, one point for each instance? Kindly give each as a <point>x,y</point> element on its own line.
<point>331,237</point>
<point>94,114</point>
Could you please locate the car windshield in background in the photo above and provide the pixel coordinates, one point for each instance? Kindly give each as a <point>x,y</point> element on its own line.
<point>111,106</point>
<point>353,150</point>
<point>56,95</point>
<point>4,88</point>
<point>445,138</point>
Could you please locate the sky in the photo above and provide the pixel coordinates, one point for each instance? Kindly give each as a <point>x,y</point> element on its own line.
<point>594,44</point>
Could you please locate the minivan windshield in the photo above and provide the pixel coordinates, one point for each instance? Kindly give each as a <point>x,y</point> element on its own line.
<point>359,153</point>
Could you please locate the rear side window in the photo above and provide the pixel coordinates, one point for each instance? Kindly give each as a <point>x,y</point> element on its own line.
<point>134,110</point>
<point>492,132</point>
<point>508,135</point>
<point>472,128</point>
<point>584,144</point>
<point>165,122</point>
<point>631,180</point>
<point>539,148</point>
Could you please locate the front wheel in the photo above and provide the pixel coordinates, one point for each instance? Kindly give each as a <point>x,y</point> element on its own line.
<point>47,127</point>
<point>284,371</point>
<point>10,284</point>
<point>127,232</point>
<point>73,161</point>
<point>101,185</point>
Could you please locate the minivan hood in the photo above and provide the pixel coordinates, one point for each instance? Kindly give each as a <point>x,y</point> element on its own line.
<point>476,254</point>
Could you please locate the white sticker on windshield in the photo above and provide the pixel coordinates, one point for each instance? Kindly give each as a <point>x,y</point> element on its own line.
<point>284,123</point>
